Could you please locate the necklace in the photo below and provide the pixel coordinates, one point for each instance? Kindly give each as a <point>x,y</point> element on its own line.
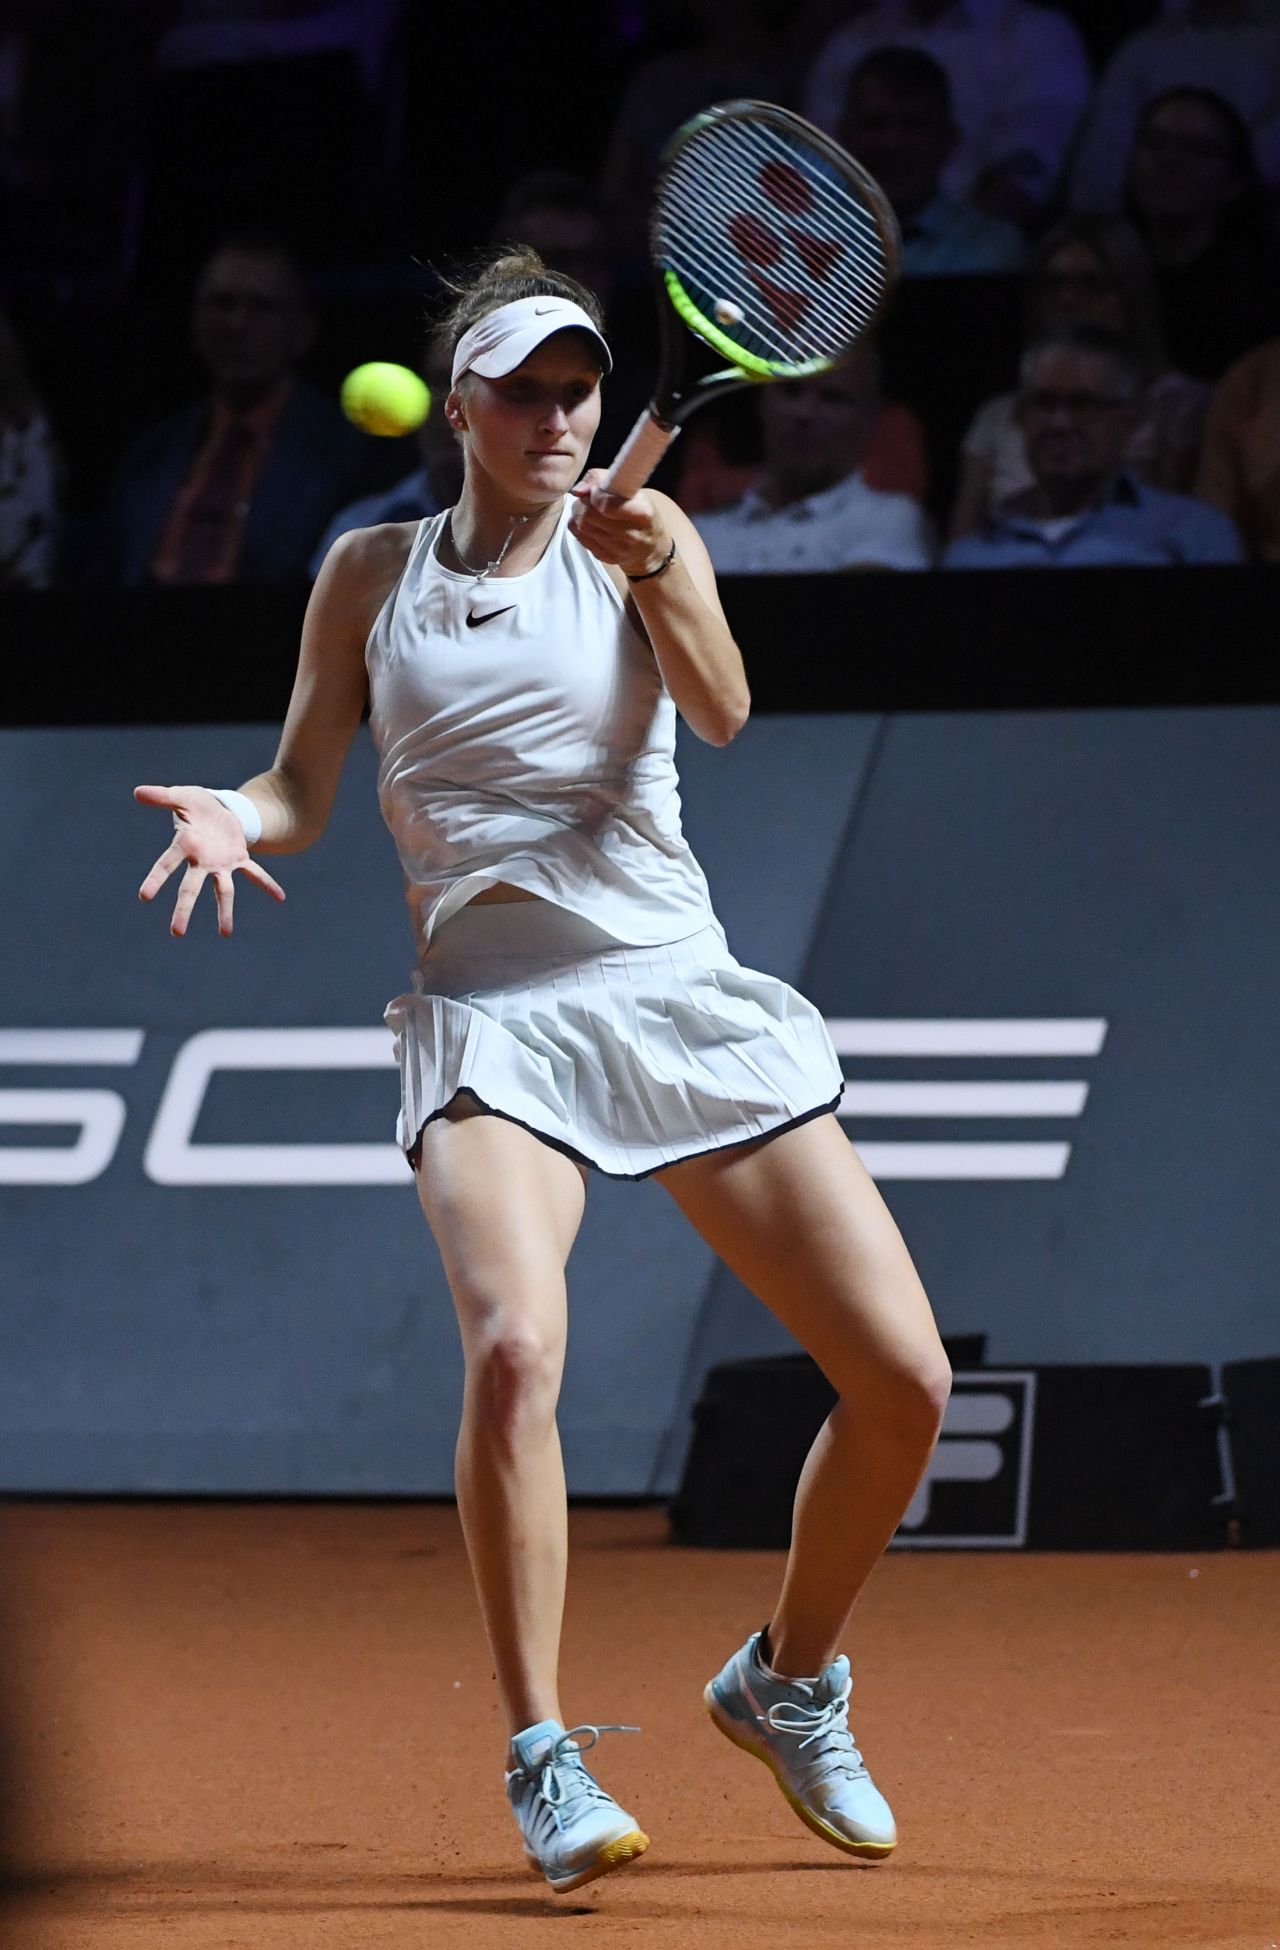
<point>490,568</point>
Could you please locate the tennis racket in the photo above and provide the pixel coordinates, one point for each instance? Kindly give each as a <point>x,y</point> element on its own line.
<point>773,246</point>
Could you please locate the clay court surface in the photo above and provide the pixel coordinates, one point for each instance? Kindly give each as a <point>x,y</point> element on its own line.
<point>272,1725</point>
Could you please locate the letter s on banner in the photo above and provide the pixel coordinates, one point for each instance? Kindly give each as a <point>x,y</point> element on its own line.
<point>172,1158</point>
<point>99,1114</point>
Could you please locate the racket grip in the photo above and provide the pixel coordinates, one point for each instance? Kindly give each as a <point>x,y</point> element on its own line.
<point>640,453</point>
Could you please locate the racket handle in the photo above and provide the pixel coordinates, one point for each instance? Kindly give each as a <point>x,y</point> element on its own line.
<point>640,453</point>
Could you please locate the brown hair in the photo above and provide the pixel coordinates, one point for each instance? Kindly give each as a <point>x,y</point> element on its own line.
<point>500,280</point>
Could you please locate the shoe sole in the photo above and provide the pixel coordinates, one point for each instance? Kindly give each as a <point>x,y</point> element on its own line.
<point>614,1855</point>
<point>725,1724</point>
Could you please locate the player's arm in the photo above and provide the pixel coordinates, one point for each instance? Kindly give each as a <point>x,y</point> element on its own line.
<point>680,607</point>
<point>295,797</point>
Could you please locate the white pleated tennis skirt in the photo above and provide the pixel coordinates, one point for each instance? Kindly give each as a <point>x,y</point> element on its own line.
<point>628,1059</point>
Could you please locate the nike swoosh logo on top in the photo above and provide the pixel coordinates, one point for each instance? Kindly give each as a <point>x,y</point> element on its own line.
<point>540,311</point>
<point>474,621</point>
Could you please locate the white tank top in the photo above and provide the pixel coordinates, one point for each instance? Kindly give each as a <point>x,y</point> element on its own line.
<point>525,735</point>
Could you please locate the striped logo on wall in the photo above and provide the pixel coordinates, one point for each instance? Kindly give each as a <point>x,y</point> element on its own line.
<point>992,1041</point>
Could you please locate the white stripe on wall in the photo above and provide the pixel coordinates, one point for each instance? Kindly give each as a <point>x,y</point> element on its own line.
<point>963,1100</point>
<point>964,1161</point>
<point>967,1036</point>
<point>70,1045</point>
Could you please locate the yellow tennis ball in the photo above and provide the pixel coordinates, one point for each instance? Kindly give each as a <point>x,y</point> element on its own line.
<point>385,399</point>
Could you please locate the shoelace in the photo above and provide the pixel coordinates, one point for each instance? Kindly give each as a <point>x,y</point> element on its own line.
<point>828,1724</point>
<point>563,1778</point>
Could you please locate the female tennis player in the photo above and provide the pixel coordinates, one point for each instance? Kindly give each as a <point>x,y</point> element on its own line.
<point>575,1006</point>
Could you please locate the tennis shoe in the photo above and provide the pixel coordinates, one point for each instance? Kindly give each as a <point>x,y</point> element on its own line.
<point>573,1831</point>
<point>799,1728</point>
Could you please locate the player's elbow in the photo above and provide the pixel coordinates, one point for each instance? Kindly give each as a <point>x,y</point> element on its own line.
<point>727,720</point>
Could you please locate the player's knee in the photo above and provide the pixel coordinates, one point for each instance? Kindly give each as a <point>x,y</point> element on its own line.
<point>922,1390</point>
<point>906,1397</point>
<point>513,1377</point>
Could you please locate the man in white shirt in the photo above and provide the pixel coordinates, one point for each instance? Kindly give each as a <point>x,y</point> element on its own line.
<point>811,512</point>
<point>1231,47</point>
<point>1019,76</point>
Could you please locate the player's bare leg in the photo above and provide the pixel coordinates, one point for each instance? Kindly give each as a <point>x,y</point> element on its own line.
<point>504,1209</point>
<point>800,1222</point>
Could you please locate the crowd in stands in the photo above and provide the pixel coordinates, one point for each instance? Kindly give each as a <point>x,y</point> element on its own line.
<point>1113,193</point>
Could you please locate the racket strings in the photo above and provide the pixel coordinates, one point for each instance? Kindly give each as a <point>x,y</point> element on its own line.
<point>708,201</point>
<point>848,299</point>
<point>791,314</point>
<point>855,278</point>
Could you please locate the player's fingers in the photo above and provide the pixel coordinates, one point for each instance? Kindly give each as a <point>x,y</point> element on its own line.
<point>604,545</point>
<point>635,511</point>
<point>171,858</point>
<point>593,493</point>
<point>590,522</point>
<point>157,795</point>
<point>252,870</point>
<point>224,891</point>
<point>192,881</point>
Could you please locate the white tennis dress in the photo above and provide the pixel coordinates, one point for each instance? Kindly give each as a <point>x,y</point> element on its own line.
<point>525,736</point>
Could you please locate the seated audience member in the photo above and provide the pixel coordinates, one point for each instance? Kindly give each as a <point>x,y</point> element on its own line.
<point>1210,228</point>
<point>898,122</point>
<point>1019,77</point>
<point>239,486</point>
<point>434,484</point>
<point>29,475</point>
<point>1229,46</point>
<point>560,216</point>
<point>734,55</point>
<point>1080,401</point>
<point>1240,464</point>
<point>811,510</point>
<point>1089,271</point>
<point>720,456</point>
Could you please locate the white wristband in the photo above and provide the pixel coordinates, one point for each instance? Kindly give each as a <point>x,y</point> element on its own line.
<point>244,809</point>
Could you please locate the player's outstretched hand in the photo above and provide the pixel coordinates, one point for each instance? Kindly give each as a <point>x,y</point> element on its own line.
<point>210,840</point>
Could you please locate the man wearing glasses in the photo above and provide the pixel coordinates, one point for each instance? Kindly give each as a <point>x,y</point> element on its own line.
<point>1079,402</point>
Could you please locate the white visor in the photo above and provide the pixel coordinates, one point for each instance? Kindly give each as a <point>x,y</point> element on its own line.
<point>503,339</point>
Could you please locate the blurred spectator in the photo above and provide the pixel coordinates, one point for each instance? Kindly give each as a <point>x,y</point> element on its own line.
<point>898,121</point>
<point>733,55</point>
<point>1018,74</point>
<point>291,107</point>
<point>1080,402</point>
<point>434,484</point>
<point>1210,227</point>
<point>1229,46</point>
<point>238,487</point>
<point>1089,271</point>
<point>811,510</point>
<point>561,217</point>
<point>29,475</point>
<point>720,454</point>
<point>1240,466</point>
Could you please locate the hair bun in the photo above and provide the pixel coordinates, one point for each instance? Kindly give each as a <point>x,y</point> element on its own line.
<point>520,261</point>
<point>516,271</point>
